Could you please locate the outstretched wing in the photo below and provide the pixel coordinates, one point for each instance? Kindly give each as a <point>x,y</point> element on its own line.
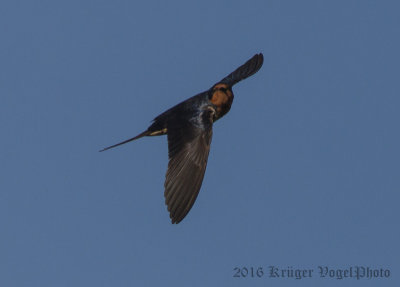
<point>246,70</point>
<point>188,147</point>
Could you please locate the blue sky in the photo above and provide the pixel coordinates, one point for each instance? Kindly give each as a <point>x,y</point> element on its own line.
<point>303,171</point>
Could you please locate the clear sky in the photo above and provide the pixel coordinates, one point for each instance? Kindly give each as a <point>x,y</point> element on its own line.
<point>303,172</point>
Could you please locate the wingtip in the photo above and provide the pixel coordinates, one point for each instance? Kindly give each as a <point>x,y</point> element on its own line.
<point>261,56</point>
<point>260,59</point>
<point>249,68</point>
<point>174,219</point>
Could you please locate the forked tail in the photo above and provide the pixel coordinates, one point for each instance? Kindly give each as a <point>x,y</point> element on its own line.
<point>143,134</point>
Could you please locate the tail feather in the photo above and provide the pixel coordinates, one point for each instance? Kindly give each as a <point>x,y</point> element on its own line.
<point>143,134</point>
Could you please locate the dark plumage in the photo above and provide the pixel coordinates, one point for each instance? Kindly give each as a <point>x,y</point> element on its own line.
<point>188,126</point>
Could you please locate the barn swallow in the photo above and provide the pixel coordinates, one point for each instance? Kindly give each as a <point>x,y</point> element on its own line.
<point>188,127</point>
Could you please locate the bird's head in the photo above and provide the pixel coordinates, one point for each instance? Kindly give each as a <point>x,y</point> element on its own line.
<point>221,96</point>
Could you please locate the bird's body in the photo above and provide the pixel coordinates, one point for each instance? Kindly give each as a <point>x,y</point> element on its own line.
<point>188,126</point>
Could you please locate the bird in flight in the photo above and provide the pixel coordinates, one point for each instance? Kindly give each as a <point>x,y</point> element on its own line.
<point>188,127</point>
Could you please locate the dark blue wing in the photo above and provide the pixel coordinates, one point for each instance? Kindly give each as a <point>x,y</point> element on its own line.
<point>188,148</point>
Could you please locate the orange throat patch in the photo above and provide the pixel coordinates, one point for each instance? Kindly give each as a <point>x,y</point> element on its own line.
<point>222,98</point>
